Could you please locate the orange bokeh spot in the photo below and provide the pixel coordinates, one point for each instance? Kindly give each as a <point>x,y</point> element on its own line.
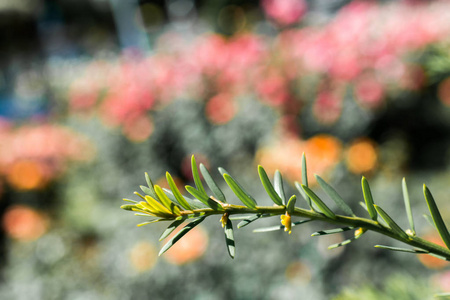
<point>324,149</point>
<point>322,153</point>
<point>143,256</point>
<point>444,91</point>
<point>431,261</point>
<point>24,223</point>
<point>191,247</point>
<point>26,175</point>
<point>362,156</point>
<point>220,109</point>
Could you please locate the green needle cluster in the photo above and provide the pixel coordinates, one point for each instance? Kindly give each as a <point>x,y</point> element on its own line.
<point>171,205</point>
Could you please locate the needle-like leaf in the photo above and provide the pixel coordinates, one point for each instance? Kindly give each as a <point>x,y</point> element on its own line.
<point>171,228</point>
<point>155,205</point>
<point>166,201</point>
<point>348,241</point>
<point>278,185</point>
<point>203,198</point>
<point>150,191</point>
<point>268,186</point>
<point>193,203</point>
<point>368,199</point>
<point>331,231</point>
<point>394,226</point>
<point>180,234</point>
<point>331,192</point>
<point>416,251</point>
<point>249,220</point>
<point>176,192</point>
<point>291,204</point>
<point>212,184</point>
<point>408,206</point>
<point>196,175</point>
<point>305,180</point>
<point>229,238</point>
<point>239,192</point>
<point>320,204</point>
<point>436,215</point>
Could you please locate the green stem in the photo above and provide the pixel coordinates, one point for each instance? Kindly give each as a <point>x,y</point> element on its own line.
<point>368,224</point>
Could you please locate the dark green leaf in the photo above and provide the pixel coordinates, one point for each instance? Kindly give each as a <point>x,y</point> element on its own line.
<point>249,220</point>
<point>368,198</point>
<point>331,192</point>
<point>278,185</point>
<point>197,180</point>
<point>205,199</point>
<point>229,238</point>
<point>291,204</point>
<point>239,192</point>
<point>436,215</point>
<point>176,192</point>
<point>408,206</point>
<point>268,186</point>
<point>322,206</point>
<point>171,228</point>
<point>394,226</point>
<point>416,251</point>
<point>331,231</point>
<point>302,192</point>
<point>305,180</point>
<point>180,234</point>
<point>212,184</point>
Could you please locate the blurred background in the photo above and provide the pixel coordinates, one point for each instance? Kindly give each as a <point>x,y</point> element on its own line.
<point>93,93</point>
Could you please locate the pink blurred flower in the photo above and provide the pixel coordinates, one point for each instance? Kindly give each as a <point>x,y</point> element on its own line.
<point>220,109</point>
<point>369,91</point>
<point>285,12</point>
<point>273,88</point>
